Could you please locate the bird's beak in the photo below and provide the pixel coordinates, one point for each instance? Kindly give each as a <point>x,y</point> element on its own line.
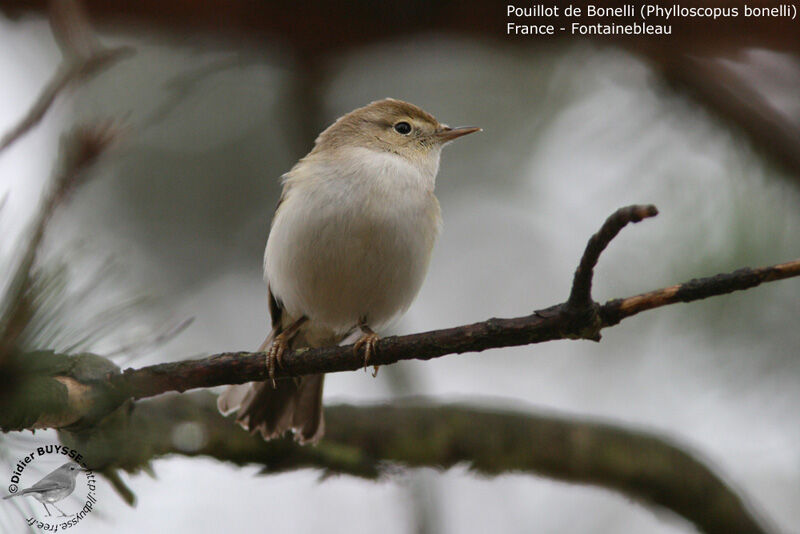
<point>447,134</point>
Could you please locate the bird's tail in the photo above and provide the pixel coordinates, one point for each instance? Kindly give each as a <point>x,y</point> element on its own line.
<point>23,492</point>
<point>294,405</point>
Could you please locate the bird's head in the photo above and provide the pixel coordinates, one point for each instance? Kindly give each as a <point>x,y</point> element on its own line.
<point>71,468</point>
<point>393,126</point>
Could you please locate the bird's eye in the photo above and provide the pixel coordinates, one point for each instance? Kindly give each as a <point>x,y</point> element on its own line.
<point>402,128</point>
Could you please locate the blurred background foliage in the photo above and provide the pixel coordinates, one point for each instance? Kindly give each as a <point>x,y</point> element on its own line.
<point>176,216</point>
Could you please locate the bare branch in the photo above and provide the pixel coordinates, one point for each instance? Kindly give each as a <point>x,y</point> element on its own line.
<point>581,294</point>
<point>70,25</point>
<point>64,77</point>
<point>614,311</point>
<point>83,57</point>
<point>562,321</point>
<point>730,96</point>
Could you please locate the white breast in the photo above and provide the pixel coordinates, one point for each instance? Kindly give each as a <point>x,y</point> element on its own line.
<point>352,238</point>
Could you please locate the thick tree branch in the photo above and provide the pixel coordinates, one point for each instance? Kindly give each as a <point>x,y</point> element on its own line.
<point>366,441</point>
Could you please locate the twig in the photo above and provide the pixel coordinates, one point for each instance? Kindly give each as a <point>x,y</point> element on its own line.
<point>581,294</point>
<point>162,338</point>
<point>83,57</point>
<point>65,76</point>
<point>70,25</point>
<point>614,311</point>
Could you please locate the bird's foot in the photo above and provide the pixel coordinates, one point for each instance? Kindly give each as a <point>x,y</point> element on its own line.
<point>368,341</point>
<point>279,346</point>
<point>60,511</point>
<point>275,355</point>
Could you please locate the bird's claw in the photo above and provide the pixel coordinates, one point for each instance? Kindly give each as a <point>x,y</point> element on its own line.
<point>275,356</point>
<point>368,341</point>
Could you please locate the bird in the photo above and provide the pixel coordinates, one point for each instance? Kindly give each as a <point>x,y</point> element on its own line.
<point>53,487</point>
<point>348,249</point>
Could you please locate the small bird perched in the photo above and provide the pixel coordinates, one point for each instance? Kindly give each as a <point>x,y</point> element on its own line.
<point>57,485</point>
<point>348,249</point>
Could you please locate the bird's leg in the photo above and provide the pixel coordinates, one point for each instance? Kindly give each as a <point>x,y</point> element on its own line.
<point>60,510</point>
<point>368,341</point>
<point>280,344</point>
<point>46,510</point>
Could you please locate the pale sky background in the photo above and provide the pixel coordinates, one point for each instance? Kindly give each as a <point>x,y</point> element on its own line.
<point>570,134</point>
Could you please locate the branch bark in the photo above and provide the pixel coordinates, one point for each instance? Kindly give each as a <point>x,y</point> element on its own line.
<point>578,318</point>
<point>374,441</point>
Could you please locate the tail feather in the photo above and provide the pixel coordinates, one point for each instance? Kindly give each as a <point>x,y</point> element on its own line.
<point>308,413</point>
<point>290,406</point>
<point>23,492</point>
<point>230,399</point>
<point>294,405</point>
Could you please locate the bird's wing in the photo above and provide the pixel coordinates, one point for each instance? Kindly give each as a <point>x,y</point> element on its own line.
<point>287,184</point>
<point>275,311</point>
<point>39,487</point>
<point>275,304</point>
<point>44,485</point>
